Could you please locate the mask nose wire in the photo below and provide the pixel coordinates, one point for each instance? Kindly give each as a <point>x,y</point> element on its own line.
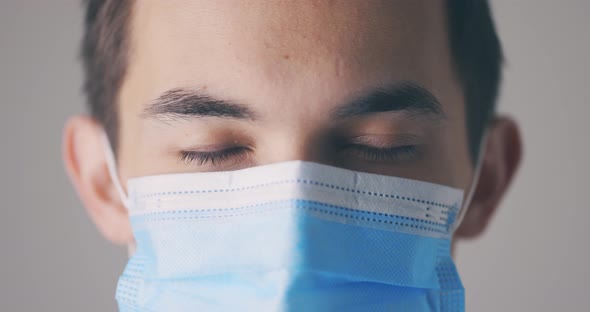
<point>474,180</point>
<point>112,167</point>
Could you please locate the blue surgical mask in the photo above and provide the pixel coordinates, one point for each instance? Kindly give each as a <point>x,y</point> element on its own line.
<point>291,236</point>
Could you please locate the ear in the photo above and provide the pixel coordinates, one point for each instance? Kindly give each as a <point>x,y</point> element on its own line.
<point>499,164</point>
<point>85,162</point>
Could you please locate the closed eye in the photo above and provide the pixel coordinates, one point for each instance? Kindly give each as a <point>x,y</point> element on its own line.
<point>238,154</point>
<point>382,154</point>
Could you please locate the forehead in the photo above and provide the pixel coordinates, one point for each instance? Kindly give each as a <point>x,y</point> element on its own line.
<point>259,50</point>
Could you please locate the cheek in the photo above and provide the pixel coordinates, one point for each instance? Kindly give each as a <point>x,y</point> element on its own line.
<point>439,167</point>
<point>445,160</point>
<point>453,163</point>
<point>129,154</point>
<point>134,148</point>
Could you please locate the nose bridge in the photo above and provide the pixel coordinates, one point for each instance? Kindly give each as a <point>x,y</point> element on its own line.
<point>299,127</point>
<point>300,143</point>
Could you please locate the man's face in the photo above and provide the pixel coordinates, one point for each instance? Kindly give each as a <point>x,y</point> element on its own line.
<point>223,85</point>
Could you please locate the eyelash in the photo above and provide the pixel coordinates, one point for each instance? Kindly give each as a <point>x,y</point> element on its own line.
<point>213,158</point>
<point>236,154</point>
<point>371,153</point>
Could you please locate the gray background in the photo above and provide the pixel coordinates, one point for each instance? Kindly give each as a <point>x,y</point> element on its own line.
<point>534,258</point>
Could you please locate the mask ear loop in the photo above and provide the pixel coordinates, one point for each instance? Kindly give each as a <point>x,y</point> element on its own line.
<point>474,181</point>
<point>112,167</point>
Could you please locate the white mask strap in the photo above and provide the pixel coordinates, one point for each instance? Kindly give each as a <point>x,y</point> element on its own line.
<point>112,166</point>
<point>474,180</point>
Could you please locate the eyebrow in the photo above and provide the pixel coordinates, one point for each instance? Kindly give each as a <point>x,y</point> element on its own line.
<point>184,103</point>
<point>406,97</point>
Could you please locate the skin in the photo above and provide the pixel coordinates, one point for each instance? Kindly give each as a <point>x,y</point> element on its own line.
<point>292,64</point>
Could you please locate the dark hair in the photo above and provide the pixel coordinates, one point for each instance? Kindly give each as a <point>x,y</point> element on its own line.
<point>477,56</point>
<point>475,48</point>
<point>104,54</point>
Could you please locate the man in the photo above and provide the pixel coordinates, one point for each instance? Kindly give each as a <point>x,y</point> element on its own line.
<point>402,89</point>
